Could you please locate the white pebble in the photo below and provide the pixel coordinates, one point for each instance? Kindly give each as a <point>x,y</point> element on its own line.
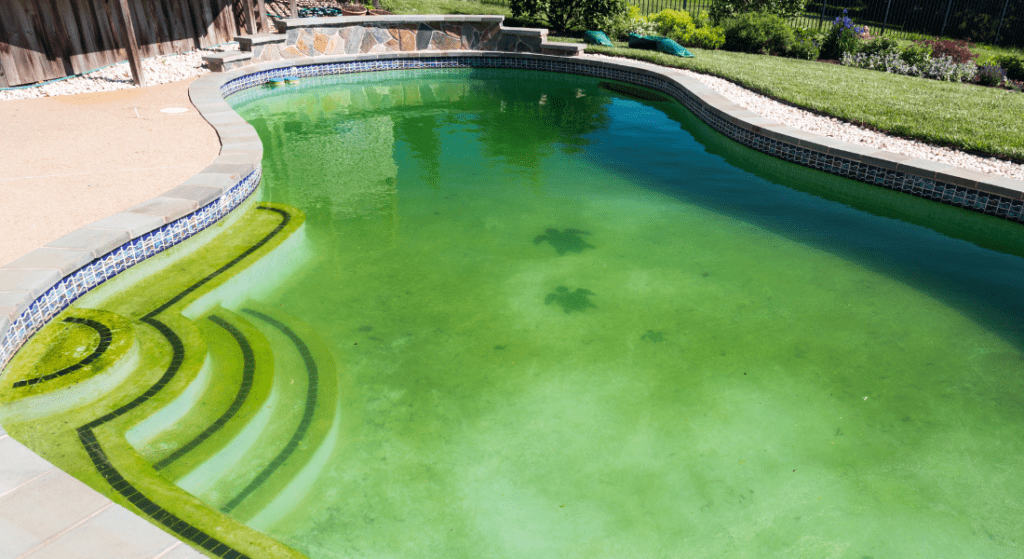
<point>834,128</point>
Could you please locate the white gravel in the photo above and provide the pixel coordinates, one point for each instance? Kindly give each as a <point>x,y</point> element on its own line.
<point>157,70</point>
<point>835,128</point>
<point>165,69</point>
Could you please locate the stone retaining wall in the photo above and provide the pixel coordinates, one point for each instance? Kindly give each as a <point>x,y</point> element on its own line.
<point>317,37</point>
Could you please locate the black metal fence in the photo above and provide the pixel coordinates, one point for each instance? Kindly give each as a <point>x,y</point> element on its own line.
<point>995,22</point>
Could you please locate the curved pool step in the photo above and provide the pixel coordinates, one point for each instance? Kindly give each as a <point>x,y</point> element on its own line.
<point>225,396</point>
<point>79,359</point>
<point>292,436</point>
<point>89,441</point>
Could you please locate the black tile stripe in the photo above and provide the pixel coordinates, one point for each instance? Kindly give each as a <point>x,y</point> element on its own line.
<point>307,415</point>
<point>286,217</point>
<point>99,458</point>
<point>248,371</point>
<point>105,338</point>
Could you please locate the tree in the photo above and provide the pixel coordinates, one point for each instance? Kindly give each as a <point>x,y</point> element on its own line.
<point>567,14</point>
<point>722,10</point>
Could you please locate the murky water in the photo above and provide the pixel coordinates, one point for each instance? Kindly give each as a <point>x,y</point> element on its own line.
<point>570,323</point>
<point>573,330</point>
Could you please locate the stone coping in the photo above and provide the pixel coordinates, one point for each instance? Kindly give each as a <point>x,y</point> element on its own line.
<point>36,287</point>
<point>247,41</point>
<point>299,23</point>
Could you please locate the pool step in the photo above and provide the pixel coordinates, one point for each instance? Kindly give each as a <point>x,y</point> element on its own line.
<point>230,390</point>
<point>77,360</point>
<point>260,474</point>
<point>228,60</point>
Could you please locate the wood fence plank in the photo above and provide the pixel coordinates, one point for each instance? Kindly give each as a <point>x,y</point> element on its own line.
<point>107,30</point>
<point>264,20</point>
<point>147,32</point>
<point>43,64</point>
<point>250,19</point>
<point>10,38</point>
<point>55,38</point>
<point>224,22</point>
<point>190,35</point>
<point>204,18</point>
<point>131,45</point>
<point>95,50</point>
<point>79,53</point>
<point>177,15</point>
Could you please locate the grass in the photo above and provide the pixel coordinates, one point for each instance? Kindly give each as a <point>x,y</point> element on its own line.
<point>456,7</point>
<point>977,119</point>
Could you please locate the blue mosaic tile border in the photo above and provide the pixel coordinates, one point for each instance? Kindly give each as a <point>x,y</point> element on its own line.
<point>60,296</point>
<point>968,198</point>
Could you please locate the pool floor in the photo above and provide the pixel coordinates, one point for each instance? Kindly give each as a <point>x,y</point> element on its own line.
<point>528,316</point>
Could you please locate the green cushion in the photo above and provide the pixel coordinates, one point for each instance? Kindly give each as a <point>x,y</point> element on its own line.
<point>597,38</point>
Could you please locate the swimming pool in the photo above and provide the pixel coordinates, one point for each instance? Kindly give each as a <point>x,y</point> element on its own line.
<point>629,336</point>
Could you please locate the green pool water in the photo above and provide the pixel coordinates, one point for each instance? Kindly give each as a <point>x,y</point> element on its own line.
<point>567,322</point>
<point>578,324</point>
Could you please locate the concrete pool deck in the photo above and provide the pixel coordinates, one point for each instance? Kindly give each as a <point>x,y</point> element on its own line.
<point>69,161</point>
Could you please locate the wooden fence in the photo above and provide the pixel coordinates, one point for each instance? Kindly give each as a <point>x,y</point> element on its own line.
<point>46,39</point>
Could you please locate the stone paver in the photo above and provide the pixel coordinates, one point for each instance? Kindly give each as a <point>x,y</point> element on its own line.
<point>134,224</point>
<point>34,513</point>
<point>97,241</point>
<point>35,281</point>
<point>66,260</point>
<point>20,465</point>
<point>182,551</point>
<point>114,532</point>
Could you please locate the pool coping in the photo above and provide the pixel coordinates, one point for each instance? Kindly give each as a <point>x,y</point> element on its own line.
<point>37,286</point>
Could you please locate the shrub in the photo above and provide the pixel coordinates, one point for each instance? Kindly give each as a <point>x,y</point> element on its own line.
<point>629,20</point>
<point>705,38</point>
<point>917,54</point>
<point>880,45</point>
<point>944,68</point>
<point>842,37</point>
<point>758,32</point>
<point>565,14</point>
<point>959,51</point>
<point>722,10</point>
<point>803,34</point>
<point>949,70</point>
<point>687,31</point>
<point>991,74</point>
<point>667,20</point>
<point>890,62</point>
<point>804,49</point>
<point>1014,66</point>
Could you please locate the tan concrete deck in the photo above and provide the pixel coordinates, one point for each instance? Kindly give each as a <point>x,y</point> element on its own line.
<point>68,161</point>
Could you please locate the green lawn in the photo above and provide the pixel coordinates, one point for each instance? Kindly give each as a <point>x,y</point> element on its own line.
<point>459,7</point>
<point>983,120</point>
<point>978,119</point>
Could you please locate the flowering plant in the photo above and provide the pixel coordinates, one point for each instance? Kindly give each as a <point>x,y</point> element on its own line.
<point>842,37</point>
<point>944,68</point>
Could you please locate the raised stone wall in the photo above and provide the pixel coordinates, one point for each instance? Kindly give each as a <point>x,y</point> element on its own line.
<point>316,37</point>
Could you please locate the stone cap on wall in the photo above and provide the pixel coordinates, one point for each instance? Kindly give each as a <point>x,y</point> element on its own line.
<point>343,21</point>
